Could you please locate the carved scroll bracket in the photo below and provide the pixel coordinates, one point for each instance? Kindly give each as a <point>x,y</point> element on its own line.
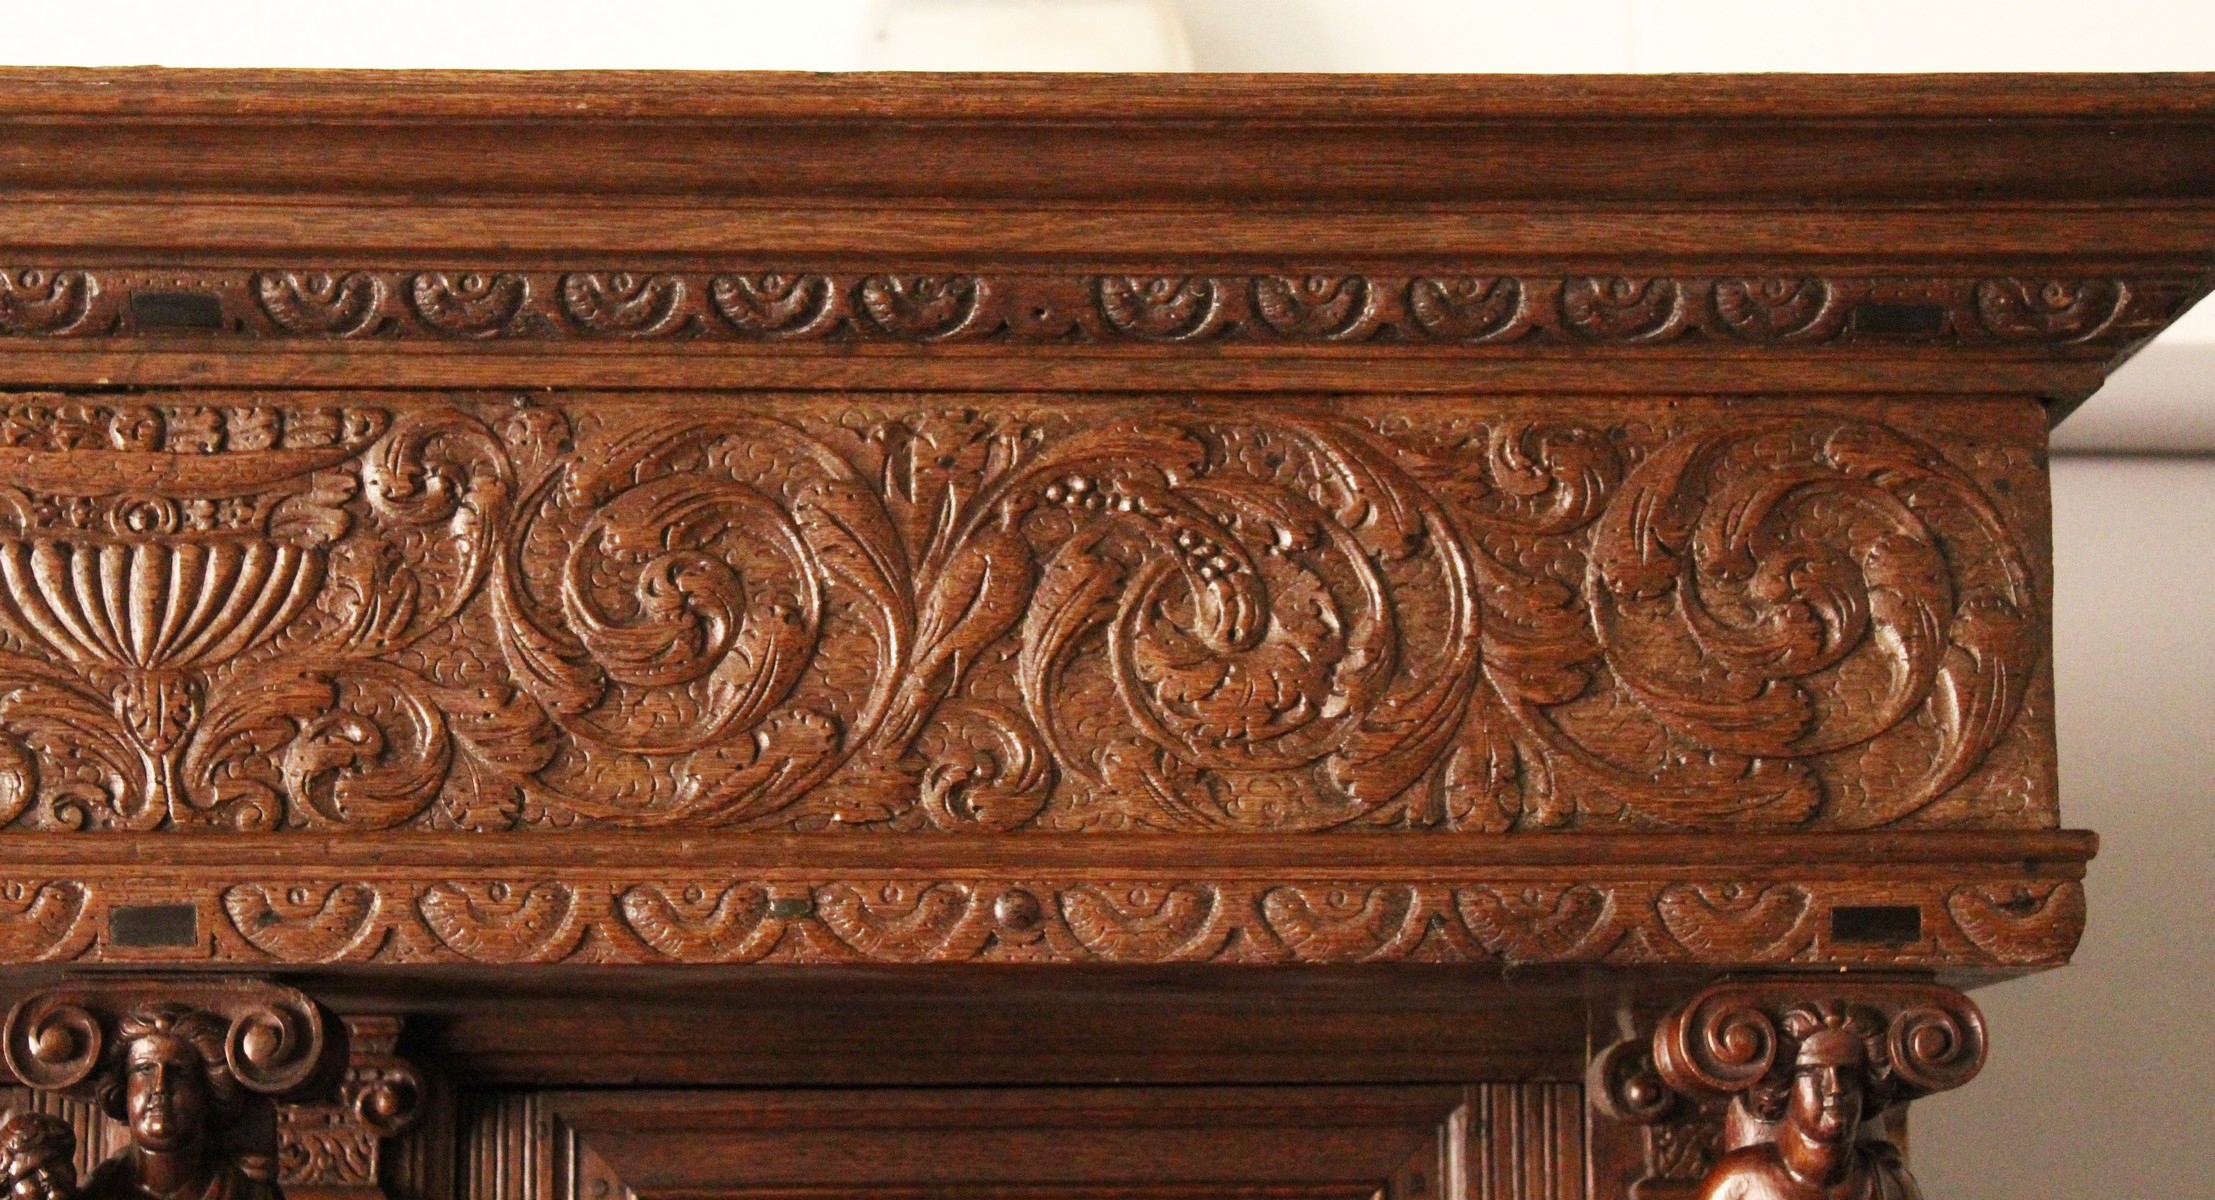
<point>192,1068</point>
<point>1781,1090</point>
<point>337,1150</point>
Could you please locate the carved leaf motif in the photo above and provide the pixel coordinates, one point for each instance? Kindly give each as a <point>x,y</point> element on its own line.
<point>324,1153</point>
<point>305,923</point>
<point>736,927</point>
<point>1162,309</point>
<point>1321,307</point>
<point>1727,613</point>
<point>494,923</point>
<point>622,304</point>
<point>917,922</point>
<point>1146,922</point>
<point>984,767</point>
<point>46,302</point>
<point>2052,310</point>
<point>777,305</point>
<point>42,921</point>
<point>1767,923</point>
<point>1345,924</point>
<point>315,302</point>
<point>18,778</point>
<point>1777,309</point>
<point>1622,310</point>
<point>1466,309</point>
<point>1537,924</point>
<point>921,306</point>
<point>468,305</point>
<point>975,597</point>
<point>2019,925</point>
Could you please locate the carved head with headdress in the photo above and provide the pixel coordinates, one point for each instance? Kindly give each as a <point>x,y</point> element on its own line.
<point>170,1081</point>
<point>1839,1068</point>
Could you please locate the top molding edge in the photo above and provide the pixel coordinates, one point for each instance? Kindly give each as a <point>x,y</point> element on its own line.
<point>160,94</point>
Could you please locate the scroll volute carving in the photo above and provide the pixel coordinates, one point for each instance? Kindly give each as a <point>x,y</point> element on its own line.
<point>1805,1075</point>
<point>193,1070</point>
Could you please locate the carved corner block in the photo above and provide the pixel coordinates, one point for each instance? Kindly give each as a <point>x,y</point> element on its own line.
<point>1787,1090</point>
<point>336,1150</point>
<point>191,1069</point>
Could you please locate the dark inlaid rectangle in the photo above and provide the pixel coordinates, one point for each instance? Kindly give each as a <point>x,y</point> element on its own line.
<point>176,310</point>
<point>1899,320</point>
<point>1877,924</point>
<point>153,925</point>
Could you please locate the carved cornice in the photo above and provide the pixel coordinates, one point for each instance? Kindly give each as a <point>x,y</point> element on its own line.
<point>1549,900</point>
<point>791,305</point>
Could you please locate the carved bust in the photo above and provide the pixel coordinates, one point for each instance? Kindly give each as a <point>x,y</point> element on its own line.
<point>172,1087</point>
<point>1839,1068</point>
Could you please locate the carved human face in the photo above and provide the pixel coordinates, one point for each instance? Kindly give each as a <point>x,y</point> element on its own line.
<point>1826,1088</point>
<point>167,1093</point>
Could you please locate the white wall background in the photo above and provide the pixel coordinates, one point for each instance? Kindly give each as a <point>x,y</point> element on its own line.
<point>2098,1084</point>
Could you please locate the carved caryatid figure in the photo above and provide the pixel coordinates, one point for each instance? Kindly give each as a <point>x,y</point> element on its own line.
<point>175,1093</point>
<point>1809,1069</point>
<point>1817,1151</point>
<point>191,1070</point>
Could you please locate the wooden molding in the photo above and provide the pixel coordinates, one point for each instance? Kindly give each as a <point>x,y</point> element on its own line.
<point>1980,905</point>
<point>1460,307</point>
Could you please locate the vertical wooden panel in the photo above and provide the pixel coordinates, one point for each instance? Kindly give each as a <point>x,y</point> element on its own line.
<point>1526,1141</point>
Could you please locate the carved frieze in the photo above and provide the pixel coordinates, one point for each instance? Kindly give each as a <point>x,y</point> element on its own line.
<point>1460,306</point>
<point>304,613</point>
<point>384,912</point>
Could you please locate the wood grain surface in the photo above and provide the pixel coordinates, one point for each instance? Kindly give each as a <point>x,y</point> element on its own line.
<point>1046,636</point>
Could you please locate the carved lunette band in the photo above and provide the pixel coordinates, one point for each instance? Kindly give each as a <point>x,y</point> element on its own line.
<point>393,914</point>
<point>1462,306</point>
<point>303,613</point>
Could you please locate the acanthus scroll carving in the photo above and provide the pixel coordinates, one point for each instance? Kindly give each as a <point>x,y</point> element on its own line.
<point>482,615</point>
<point>190,1069</point>
<point>1807,1070</point>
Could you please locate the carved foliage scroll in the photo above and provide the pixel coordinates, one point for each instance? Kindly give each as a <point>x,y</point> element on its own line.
<point>295,615</point>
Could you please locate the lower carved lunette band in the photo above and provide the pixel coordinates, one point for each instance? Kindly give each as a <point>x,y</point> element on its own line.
<point>1961,902</point>
<point>1806,1071</point>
